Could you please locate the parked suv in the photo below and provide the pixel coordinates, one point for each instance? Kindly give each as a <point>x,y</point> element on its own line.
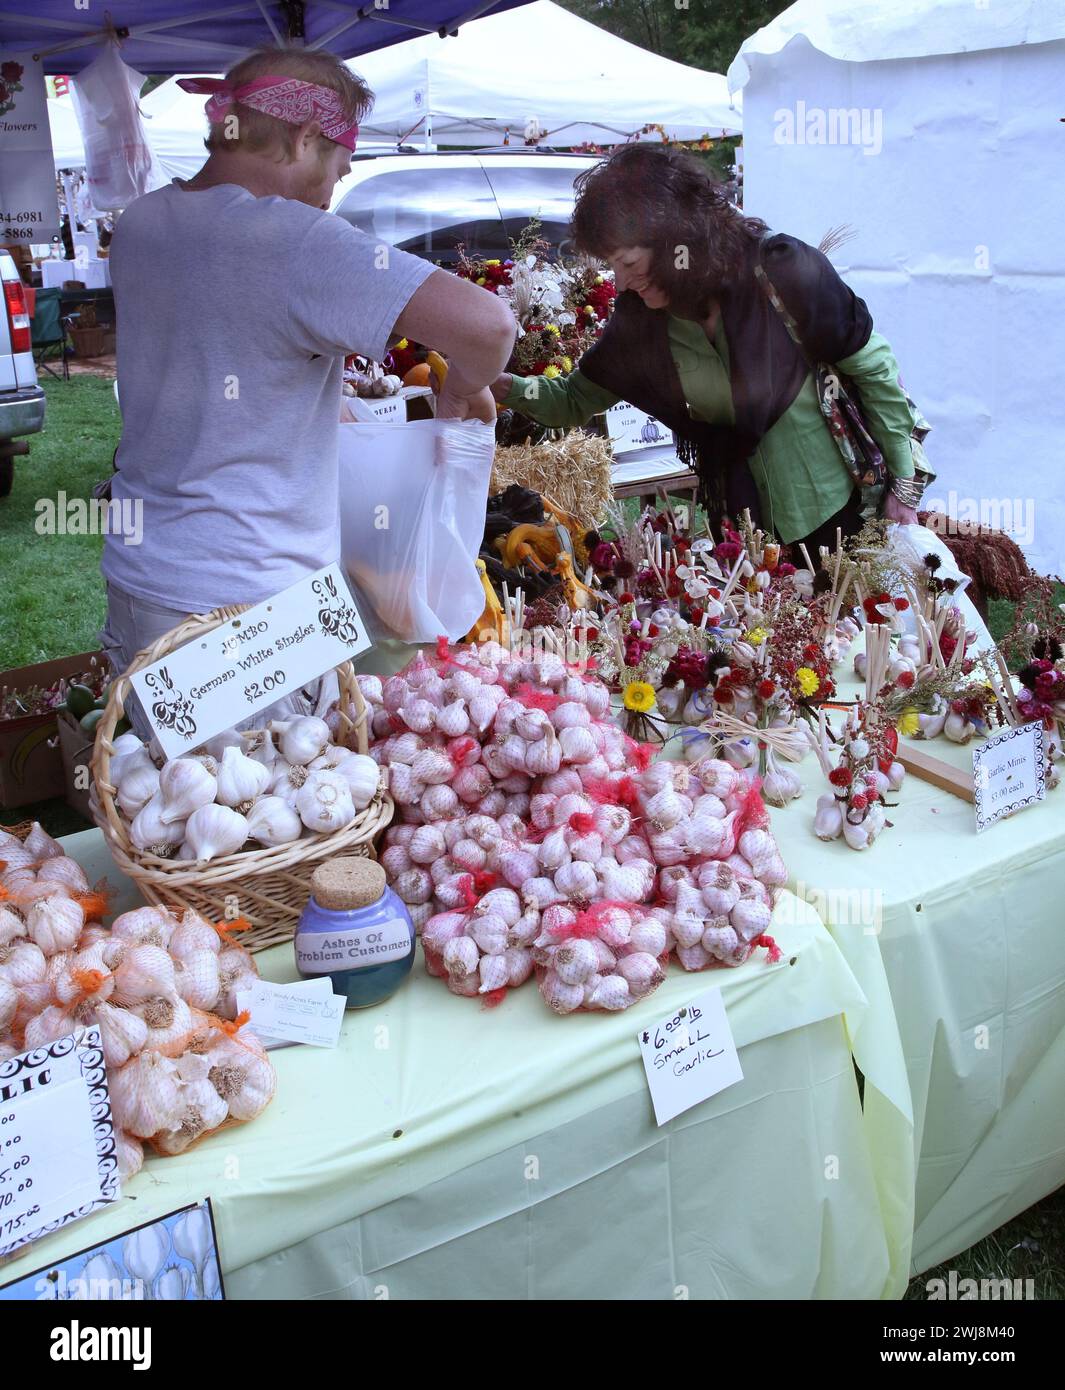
<point>21,399</point>
<point>430,203</point>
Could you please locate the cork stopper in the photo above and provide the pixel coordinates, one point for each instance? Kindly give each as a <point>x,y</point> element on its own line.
<point>341,885</point>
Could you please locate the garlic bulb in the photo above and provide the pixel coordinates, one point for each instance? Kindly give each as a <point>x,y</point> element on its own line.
<point>272,821</point>
<point>613,992</point>
<point>145,1095</point>
<point>240,778</point>
<point>55,924</point>
<point>151,832</point>
<point>213,831</point>
<point>130,1154</point>
<point>258,744</point>
<point>287,781</point>
<point>8,1003</point>
<point>169,1021</point>
<point>559,997</point>
<point>828,820</point>
<point>41,845</point>
<point>197,979</point>
<point>363,776</point>
<point>184,786</point>
<point>144,972</point>
<point>200,1110</point>
<point>236,972</point>
<point>242,1075</point>
<point>22,963</point>
<point>324,802</point>
<point>302,739</point>
<point>137,785</point>
<point>122,1032</point>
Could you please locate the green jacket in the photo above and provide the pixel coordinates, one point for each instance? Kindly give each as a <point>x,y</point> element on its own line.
<point>800,477</point>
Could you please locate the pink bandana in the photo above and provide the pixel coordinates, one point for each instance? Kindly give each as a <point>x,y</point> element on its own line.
<point>284,98</point>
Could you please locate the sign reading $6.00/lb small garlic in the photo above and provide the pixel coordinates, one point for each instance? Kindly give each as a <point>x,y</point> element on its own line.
<point>689,1056</point>
<point>217,680</point>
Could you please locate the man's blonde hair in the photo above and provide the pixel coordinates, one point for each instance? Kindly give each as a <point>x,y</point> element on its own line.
<point>254,130</point>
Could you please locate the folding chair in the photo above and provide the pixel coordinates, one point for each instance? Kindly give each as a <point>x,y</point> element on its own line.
<point>48,334</point>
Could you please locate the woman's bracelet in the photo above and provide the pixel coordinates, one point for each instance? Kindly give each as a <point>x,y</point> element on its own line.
<point>909,491</point>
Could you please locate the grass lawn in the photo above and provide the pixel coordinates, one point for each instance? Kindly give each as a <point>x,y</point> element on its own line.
<point>53,593</point>
<point>53,605</point>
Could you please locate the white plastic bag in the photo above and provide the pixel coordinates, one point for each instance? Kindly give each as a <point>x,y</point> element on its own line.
<point>412,509</point>
<point>119,166</point>
<point>912,544</point>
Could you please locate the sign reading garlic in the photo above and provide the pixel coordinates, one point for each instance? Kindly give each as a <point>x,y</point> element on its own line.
<point>56,1137</point>
<point>689,1056</point>
<point>215,681</point>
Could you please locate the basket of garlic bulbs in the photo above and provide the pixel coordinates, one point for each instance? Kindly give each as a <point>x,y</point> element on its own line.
<point>241,822</point>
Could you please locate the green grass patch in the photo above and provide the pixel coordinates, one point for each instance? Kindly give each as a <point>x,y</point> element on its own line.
<point>53,593</point>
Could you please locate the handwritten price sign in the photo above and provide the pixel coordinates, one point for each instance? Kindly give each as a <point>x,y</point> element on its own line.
<point>57,1145</point>
<point>689,1056</point>
<point>275,648</point>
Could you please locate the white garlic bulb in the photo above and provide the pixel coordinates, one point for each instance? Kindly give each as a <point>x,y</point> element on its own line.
<point>240,778</point>
<point>213,831</point>
<point>324,802</point>
<point>258,744</point>
<point>302,739</point>
<point>137,785</point>
<point>145,1095</point>
<point>143,973</point>
<point>122,1033</point>
<point>151,832</point>
<point>55,923</point>
<point>272,821</point>
<point>185,785</point>
<point>242,1075</point>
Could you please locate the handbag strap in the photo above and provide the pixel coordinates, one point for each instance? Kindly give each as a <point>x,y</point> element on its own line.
<point>763,278</point>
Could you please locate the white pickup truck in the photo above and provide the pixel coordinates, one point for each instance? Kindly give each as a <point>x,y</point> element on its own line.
<point>21,399</point>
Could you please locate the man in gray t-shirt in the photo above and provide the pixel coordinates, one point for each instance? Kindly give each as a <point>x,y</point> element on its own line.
<point>238,296</point>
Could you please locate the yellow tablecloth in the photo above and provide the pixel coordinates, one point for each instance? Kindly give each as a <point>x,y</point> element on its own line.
<point>958,942</point>
<point>447,1151</point>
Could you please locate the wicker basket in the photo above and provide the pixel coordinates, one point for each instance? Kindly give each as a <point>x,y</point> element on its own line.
<point>271,885</point>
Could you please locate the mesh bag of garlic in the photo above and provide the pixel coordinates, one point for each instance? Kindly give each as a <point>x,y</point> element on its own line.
<point>162,992</point>
<point>535,836</point>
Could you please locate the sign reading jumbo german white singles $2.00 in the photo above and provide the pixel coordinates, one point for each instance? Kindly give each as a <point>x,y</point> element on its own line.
<point>217,680</point>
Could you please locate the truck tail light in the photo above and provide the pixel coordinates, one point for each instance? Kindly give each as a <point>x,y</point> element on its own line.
<point>17,316</point>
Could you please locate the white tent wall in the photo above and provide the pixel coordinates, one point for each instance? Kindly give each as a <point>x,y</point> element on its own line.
<point>958,202</point>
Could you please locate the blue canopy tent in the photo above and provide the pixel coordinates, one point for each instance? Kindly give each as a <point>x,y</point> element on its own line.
<point>201,36</point>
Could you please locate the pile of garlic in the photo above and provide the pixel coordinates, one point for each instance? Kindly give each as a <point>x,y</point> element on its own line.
<point>162,992</point>
<point>533,837</point>
<point>261,787</point>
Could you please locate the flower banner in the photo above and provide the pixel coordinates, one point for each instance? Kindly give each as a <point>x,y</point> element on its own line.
<point>29,208</point>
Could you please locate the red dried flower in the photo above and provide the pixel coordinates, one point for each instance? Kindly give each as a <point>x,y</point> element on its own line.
<point>859,801</point>
<point>906,679</point>
<point>901,605</point>
<point>840,777</point>
<point>766,689</point>
<point>626,597</point>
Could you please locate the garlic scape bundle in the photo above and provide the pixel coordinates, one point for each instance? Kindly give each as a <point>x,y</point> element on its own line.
<point>255,789</point>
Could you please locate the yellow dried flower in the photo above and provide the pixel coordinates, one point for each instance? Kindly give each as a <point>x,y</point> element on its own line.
<point>908,724</point>
<point>639,696</point>
<point>807,680</point>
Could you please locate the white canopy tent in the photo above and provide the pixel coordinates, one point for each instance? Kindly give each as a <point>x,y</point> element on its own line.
<point>536,63</point>
<point>932,127</point>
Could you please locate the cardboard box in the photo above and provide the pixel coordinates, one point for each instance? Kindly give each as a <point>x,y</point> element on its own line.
<point>75,747</point>
<point>31,764</point>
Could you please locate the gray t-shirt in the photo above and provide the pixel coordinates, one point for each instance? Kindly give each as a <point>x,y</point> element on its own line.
<point>234,316</point>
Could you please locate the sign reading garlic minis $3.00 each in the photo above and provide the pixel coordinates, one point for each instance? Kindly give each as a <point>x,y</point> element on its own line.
<point>217,680</point>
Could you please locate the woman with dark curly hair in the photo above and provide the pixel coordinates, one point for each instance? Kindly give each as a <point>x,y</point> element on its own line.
<point>695,342</point>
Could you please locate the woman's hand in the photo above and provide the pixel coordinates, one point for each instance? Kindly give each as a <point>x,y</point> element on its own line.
<point>894,510</point>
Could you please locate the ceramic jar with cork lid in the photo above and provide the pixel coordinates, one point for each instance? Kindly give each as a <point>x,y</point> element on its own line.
<point>355,930</point>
